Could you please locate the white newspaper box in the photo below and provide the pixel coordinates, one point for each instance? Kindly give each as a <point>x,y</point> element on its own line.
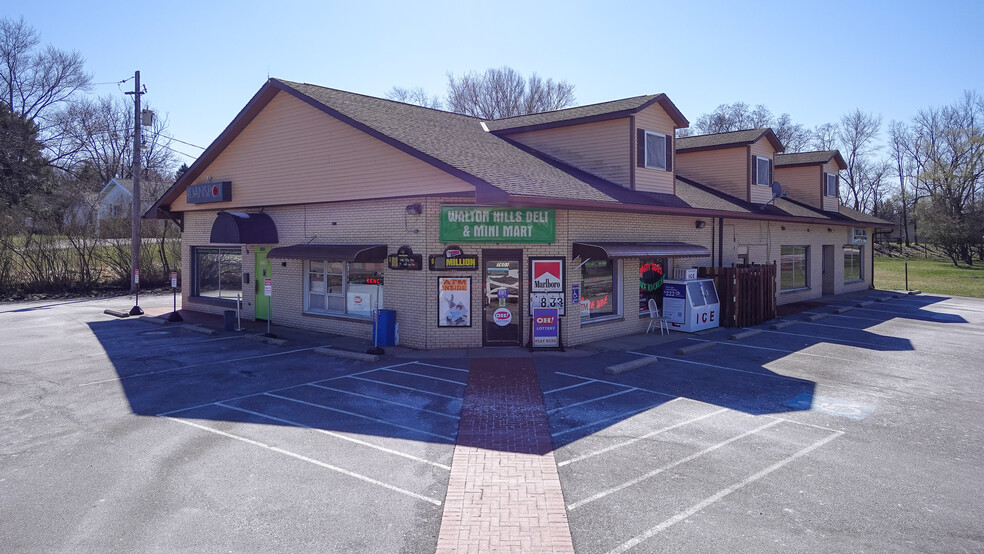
<point>691,305</point>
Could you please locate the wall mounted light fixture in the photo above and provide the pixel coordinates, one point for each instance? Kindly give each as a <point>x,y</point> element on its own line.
<point>414,209</point>
<point>700,224</point>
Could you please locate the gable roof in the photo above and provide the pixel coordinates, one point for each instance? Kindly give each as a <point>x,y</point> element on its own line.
<point>729,139</point>
<point>503,171</point>
<point>818,157</point>
<point>586,114</point>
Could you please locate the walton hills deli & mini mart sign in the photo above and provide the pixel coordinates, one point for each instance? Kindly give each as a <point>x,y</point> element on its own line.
<point>488,224</point>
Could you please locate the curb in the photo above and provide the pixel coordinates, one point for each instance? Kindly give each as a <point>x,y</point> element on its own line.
<point>200,329</point>
<point>913,292</point>
<point>816,317</point>
<point>116,313</point>
<point>630,365</point>
<point>695,348</point>
<point>783,324</point>
<point>361,356</point>
<point>154,320</point>
<point>865,304</point>
<point>843,309</point>
<point>746,333</point>
<point>266,340</point>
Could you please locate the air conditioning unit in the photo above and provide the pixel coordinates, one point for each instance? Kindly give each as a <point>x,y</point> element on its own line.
<point>684,273</point>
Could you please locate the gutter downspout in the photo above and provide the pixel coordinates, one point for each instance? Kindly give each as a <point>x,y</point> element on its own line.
<point>720,242</point>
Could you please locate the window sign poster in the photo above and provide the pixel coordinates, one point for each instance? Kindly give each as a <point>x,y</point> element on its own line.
<point>454,308</point>
<point>546,328</point>
<point>675,302</point>
<point>547,284</point>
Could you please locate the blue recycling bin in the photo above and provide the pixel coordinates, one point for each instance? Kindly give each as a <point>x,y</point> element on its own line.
<point>384,328</point>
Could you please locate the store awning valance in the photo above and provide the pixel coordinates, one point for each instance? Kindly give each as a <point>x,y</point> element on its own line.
<point>243,228</point>
<point>341,252</point>
<point>605,250</point>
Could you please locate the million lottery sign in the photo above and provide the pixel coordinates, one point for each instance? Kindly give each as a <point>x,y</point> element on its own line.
<point>488,224</point>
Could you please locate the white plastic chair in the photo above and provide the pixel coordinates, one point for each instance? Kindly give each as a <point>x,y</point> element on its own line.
<point>655,319</point>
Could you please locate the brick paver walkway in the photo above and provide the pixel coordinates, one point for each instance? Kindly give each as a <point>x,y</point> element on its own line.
<point>504,494</point>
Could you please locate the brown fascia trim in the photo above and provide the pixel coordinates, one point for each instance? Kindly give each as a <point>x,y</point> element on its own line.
<point>748,172</point>
<point>664,102</point>
<point>776,145</point>
<point>213,208</point>
<point>564,204</point>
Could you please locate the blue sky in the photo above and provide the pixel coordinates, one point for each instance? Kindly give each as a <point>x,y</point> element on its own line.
<point>202,61</point>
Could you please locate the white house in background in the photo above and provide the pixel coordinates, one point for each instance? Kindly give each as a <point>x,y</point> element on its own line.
<point>116,200</point>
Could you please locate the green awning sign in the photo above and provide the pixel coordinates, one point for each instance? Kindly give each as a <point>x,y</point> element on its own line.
<point>488,224</point>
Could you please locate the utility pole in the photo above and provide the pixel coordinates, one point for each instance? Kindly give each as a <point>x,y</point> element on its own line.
<point>135,229</point>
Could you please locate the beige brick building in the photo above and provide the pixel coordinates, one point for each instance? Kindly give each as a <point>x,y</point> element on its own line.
<point>316,205</point>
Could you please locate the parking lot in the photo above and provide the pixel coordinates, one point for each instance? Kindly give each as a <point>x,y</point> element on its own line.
<point>858,430</point>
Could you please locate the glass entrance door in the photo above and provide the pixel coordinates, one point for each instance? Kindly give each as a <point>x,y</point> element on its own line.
<point>502,312</point>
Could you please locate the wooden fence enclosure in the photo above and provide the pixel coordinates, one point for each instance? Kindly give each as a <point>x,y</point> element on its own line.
<point>747,293</point>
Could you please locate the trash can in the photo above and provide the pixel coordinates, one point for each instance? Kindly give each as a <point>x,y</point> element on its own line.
<point>384,328</point>
<point>229,320</point>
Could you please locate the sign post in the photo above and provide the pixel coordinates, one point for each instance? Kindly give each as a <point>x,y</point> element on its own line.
<point>136,309</point>
<point>175,316</point>
<point>268,292</point>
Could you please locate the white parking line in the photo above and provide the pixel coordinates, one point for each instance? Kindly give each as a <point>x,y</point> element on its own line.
<point>590,400</point>
<point>440,366</point>
<point>581,384</point>
<point>829,340</point>
<point>197,365</point>
<point>404,387</point>
<point>721,494</point>
<point>318,463</point>
<point>639,438</point>
<point>423,376</point>
<point>411,406</point>
<point>337,436</point>
<point>760,374</point>
<point>624,415</point>
<point>655,472</point>
<point>377,420</point>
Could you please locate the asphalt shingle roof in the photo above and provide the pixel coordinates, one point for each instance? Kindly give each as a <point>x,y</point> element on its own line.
<point>456,140</point>
<point>801,158</point>
<point>735,138</point>
<point>465,147</point>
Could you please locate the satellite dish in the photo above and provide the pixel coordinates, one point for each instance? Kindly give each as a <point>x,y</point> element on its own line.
<point>777,191</point>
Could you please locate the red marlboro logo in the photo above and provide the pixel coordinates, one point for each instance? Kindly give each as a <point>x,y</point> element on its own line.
<point>546,276</point>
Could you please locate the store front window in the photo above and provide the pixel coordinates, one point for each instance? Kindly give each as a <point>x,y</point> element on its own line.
<point>652,272</point>
<point>599,290</point>
<point>218,273</point>
<point>794,268</point>
<point>852,263</point>
<point>343,288</point>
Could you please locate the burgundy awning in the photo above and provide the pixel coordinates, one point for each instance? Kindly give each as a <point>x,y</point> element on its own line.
<point>243,228</point>
<point>340,252</point>
<point>605,250</point>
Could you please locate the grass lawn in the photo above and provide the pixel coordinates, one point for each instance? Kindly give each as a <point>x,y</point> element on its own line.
<point>930,275</point>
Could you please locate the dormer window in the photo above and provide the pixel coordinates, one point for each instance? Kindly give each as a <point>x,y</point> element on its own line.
<point>761,171</point>
<point>655,150</point>
<point>829,184</point>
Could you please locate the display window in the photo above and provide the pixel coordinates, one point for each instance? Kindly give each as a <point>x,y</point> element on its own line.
<point>599,290</point>
<point>218,273</point>
<point>343,288</point>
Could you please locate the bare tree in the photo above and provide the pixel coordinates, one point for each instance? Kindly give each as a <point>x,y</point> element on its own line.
<point>740,116</point>
<point>100,133</point>
<point>417,96</point>
<point>824,137</point>
<point>950,143</point>
<point>503,92</point>
<point>35,80</point>
<point>857,136</point>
